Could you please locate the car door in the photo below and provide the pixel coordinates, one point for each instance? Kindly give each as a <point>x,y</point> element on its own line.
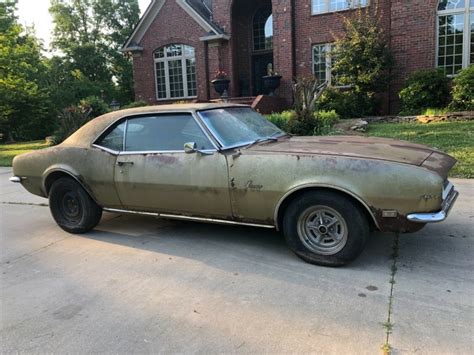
<point>154,173</point>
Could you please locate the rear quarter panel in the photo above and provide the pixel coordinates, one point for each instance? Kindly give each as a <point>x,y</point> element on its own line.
<point>92,167</point>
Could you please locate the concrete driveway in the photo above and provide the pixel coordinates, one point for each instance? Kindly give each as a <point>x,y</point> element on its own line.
<point>141,285</point>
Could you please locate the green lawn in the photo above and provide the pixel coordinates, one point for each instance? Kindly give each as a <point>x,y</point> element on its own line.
<point>454,138</point>
<point>8,151</point>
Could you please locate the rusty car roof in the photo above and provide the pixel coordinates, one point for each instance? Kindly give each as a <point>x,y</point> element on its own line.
<point>85,135</point>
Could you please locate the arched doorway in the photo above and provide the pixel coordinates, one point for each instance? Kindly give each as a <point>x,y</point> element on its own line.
<point>262,48</point>
<point>252,45</point>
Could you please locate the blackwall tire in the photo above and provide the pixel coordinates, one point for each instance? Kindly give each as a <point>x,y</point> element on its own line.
<point>325,228</point>
<point>72,207</point>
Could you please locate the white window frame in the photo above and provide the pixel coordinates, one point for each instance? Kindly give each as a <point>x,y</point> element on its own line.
<point>328,49</point>
<point>355,4</point>
<point>183,57</point>
<point>466,43</point>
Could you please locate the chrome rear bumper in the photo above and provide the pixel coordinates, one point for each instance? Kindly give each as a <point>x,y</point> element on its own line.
<point>449,198</point>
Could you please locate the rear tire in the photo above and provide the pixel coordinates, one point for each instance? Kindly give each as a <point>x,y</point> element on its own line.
<point>325,228</point>
<point>72,207</point>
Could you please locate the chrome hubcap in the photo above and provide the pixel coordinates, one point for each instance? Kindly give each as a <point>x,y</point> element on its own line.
<point>322,230</point>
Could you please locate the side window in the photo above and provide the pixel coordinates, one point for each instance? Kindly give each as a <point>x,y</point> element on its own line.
<point>114,139</point>
<point>164,133</point>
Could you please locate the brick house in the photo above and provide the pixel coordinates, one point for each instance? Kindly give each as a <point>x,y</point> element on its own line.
<point>179,45</point>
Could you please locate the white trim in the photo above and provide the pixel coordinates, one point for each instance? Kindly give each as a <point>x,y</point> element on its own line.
<point>144,23</point>
<point>189,218</point>
<point>214,37</point>
<point>327,3</point>
<point>150,15</point>
<point>466,43</point>
<point>197,17</point>
<point>328,49</point>
<point>183,57</point>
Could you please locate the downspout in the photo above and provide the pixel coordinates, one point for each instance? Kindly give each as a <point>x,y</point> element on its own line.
<point>206,65</point>
<point>389,34</point>
<point>293,36</point>
<point>293,40</point>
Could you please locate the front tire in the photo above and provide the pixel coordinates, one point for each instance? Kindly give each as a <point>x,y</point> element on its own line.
<point>72,207</point>
<point>325,228</point>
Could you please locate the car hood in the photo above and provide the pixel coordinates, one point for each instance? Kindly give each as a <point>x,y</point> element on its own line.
<point>357,147</point>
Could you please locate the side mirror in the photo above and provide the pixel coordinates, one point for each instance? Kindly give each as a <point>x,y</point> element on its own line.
<point>190,147</point>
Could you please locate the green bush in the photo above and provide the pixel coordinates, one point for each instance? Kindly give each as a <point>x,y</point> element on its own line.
<point>463,90</point>
<point>347,104</point>
<point>70,120</point>
<point>428,88</point>
<point>314,124</point>
<point>326,120</point>
<point>435,111</point>
<point>281,119</point>
<point>135,104</point>
<point>95,105</point>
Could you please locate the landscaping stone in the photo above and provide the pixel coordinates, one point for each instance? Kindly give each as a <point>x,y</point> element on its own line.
<point>360,126</point>
<point>448,117</point>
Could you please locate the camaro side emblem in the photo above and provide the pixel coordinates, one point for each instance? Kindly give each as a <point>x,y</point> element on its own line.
<point>251,186</point>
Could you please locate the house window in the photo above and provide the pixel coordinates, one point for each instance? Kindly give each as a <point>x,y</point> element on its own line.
<point>324,6</point>
<point>322,63</point>
<point>263,30</point>
<point>455,47</point>
<point>175,69</point>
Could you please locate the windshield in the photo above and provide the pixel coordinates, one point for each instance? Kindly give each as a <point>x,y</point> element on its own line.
<point>235,126</point>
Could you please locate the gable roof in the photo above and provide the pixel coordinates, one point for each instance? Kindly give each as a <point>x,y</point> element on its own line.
<point>199,10</point>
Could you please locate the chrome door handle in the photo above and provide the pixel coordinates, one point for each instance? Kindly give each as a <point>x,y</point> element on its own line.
<point>122,163</point>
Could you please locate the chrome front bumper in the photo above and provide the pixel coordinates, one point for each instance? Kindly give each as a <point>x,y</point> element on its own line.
<point>15,179</point>
<point>449,198</point>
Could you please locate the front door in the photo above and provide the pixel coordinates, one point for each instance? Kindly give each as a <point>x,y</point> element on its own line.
<point>153,173</point>
<point>261,63</point>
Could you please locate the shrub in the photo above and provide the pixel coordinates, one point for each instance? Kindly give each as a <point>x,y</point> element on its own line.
<point>362,60</point>
<point>319,123</point>
<point>327,119</point>
<point>135,104</point>
<point>347,104</point>
<point>428,88</point>
<point>281,119</point>
<point>70,120</point>
<point>463,90</point>
<point>95,105</point>
<point>435,111</point>
<point>306,91</point>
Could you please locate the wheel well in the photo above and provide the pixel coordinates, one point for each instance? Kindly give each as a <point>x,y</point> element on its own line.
<point>51,178</point>
<point>293,196</point>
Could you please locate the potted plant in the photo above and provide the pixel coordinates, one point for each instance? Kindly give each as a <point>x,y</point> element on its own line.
<point>271,82</point>
<point>221,82</point>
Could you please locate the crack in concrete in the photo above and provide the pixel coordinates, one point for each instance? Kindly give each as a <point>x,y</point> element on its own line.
<point>388,325</point>
<point>24,204</point>
<point>33,251</point>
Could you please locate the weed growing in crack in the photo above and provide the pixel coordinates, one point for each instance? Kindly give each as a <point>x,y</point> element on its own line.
<point>388,325</point>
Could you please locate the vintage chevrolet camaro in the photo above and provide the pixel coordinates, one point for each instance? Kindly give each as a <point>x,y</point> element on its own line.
<point>227,164</point>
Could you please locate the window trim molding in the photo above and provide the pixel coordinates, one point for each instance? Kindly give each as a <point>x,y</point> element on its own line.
<point>252,23</point>
<point>165,60</point>
<point>466,43</point>
<point>111,126</point>
<point>356,5</point>
<point>328,59</point>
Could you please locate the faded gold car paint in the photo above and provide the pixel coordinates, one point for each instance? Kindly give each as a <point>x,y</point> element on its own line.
<point>246,185</point>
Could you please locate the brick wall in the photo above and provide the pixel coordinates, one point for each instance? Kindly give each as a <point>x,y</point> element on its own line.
<point>410,26</point>
<point>172,25</point>
<point>413,40</point>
